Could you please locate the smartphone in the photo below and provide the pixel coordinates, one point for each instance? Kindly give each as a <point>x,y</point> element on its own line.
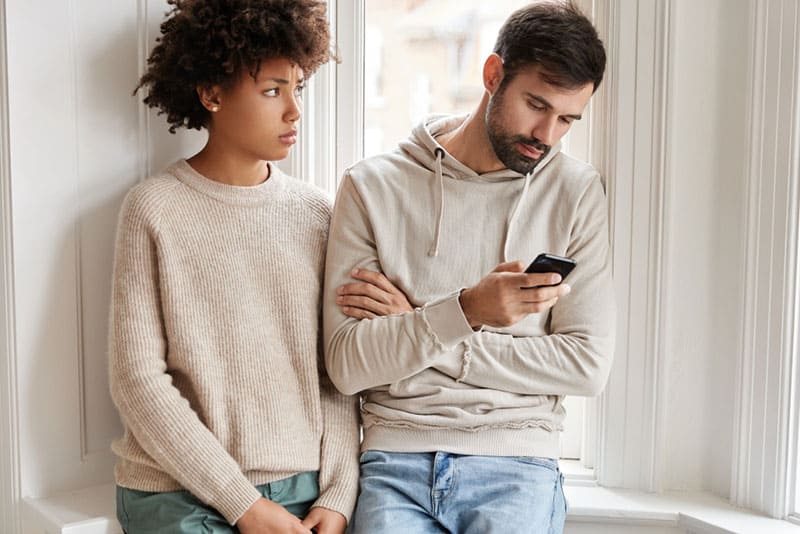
<point>550,263</point>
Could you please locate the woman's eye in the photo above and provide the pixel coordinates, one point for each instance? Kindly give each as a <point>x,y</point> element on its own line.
<point>271,92</point>
<point>299,90</point>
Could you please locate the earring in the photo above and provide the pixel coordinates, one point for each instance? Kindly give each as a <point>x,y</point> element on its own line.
<point>215,109</point>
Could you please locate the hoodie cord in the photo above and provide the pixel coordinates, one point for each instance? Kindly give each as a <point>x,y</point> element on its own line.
<point>514,214</point>
<point>434,250</point>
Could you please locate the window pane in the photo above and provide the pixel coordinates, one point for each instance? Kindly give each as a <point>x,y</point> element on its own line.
<point>424,56</point>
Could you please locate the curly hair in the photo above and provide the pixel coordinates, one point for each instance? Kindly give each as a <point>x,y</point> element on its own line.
<point>212,42</point>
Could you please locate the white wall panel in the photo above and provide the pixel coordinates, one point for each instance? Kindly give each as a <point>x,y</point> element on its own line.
<point>706,162</point>
<point>73,145</point>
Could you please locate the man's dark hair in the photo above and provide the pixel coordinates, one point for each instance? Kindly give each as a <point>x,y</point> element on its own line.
<point>212,42</point>
<point>557,36</point>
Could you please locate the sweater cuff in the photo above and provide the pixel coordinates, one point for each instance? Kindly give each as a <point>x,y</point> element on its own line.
<point>446,320</point>
<point>235,499</point>
<point>339,498</point>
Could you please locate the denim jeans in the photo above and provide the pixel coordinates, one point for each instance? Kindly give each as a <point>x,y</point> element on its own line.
<point>421,493</point>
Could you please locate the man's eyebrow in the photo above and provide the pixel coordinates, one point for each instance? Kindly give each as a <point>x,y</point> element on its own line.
<point>548,105</point>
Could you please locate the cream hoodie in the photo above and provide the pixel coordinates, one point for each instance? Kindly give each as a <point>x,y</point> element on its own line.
<point>433,226</point>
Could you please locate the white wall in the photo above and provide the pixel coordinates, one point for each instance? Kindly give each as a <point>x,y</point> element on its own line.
<point>78,141</point>
<point>706,170</point>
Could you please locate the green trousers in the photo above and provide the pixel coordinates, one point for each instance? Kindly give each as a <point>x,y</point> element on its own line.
<point>142,512</point>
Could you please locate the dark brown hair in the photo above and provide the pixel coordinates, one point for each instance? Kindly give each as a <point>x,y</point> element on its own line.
<point>212,42</point>
<point>557,36</point>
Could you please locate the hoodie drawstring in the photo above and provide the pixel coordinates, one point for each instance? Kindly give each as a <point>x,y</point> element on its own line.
<point>434,250</point>
<point>513,217</point>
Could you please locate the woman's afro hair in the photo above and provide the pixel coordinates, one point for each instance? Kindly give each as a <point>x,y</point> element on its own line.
<point>212,42</point>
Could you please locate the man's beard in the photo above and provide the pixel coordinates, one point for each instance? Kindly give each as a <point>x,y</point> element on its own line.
<point>505,144</point>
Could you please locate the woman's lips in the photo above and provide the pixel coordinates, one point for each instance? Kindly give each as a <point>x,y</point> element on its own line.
<point>289,138</point>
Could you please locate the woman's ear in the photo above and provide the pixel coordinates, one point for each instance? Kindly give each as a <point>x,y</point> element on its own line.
<point>493,73</point>
<point>210,97</point>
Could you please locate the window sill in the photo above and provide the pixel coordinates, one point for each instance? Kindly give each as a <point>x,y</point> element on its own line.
<point>696,512</point>
<point>91,511</point>
<point>87,511</point>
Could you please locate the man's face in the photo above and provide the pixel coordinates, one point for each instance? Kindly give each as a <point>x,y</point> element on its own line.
<point>528,115</point>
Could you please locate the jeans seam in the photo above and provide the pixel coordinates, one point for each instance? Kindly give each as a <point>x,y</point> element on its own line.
<point>126,526</point>
<point>559,485</point>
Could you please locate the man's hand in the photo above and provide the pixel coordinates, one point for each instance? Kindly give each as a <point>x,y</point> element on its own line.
<point>267,517</point>
<point>508,294</point>
<point>325,521</point>
<point>374,296</point>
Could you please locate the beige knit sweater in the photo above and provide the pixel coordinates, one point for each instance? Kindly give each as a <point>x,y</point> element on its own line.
<point>215,361</point>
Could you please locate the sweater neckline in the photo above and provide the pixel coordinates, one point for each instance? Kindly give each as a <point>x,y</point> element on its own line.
<point>230,194</point>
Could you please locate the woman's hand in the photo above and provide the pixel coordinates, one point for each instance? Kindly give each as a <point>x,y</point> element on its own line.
<point>267,517</point>
<point>374,296</point>
<point>325,521</point>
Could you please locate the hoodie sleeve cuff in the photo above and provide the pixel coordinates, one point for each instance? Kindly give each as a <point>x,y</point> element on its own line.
<point>446,321</point>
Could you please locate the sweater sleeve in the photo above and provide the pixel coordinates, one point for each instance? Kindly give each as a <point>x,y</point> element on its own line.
<point>363,354</point>
<point>575,357</point>
<point>152,408</point>
<point>339,470</point>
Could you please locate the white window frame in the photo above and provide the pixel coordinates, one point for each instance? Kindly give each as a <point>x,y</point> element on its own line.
<point>765,457</point>
<point>10,484</point>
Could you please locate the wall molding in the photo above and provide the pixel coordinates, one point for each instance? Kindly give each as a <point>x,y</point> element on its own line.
<point>765,430</point>
<point>629,146</point>
<point>143,35</point>
<point>10,485</point>
<point>350,26</point>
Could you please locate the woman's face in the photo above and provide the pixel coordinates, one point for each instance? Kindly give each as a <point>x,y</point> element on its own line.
<point>257,118</point>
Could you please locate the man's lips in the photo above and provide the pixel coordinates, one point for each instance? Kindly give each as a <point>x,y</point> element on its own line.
<point>530,151</point>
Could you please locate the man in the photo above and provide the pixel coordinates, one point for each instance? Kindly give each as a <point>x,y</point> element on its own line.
<point>462,396</point>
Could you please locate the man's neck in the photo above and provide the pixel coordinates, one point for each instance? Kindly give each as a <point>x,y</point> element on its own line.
<point>469,143</point>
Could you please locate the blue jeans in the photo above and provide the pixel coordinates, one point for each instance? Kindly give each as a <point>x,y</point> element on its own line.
<point>421,493</point>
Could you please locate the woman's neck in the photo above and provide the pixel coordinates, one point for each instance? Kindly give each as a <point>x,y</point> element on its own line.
<point>227,167</point>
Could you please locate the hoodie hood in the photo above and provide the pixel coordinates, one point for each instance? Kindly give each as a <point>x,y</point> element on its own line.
<point>423,148</point>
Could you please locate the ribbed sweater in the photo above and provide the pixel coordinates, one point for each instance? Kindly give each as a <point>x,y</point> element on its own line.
<point>215,357</point>
<point>433,226</point>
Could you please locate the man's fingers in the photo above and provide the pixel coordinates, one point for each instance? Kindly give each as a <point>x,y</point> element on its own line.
<point>365,289</point>
<point>509,267</point>
<point>357,313</point>
<point>366,303</point>
<point>545,293</point>
<point>537,279</point>
<point>374,278</point>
